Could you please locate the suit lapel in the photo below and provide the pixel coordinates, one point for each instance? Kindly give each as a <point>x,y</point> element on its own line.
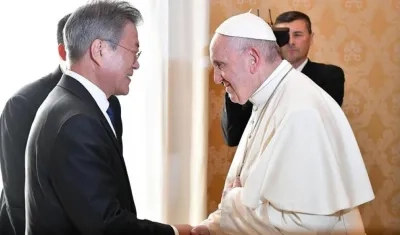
<point>79,90</point>
<point>111,134</point>
<point>311,72</point>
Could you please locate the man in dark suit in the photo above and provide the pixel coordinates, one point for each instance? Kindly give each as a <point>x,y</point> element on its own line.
<point>15,123</point>
<point>76,179</point>
<point>329,77</point>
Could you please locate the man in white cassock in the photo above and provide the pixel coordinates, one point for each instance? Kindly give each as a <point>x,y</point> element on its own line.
<point>298,168</point>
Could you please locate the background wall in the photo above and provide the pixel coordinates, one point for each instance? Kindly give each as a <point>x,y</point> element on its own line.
<point>362,37</point>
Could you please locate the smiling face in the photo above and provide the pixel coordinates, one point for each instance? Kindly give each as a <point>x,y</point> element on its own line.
<point>296,51</point>
<point>232,68</point>
<point>121,62</point>
<point>116,61</point>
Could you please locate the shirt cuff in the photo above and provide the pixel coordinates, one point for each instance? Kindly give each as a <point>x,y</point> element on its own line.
<point>175,230</point>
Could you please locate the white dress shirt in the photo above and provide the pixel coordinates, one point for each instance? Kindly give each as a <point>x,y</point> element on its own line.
<point>98,95</point>
<point>301,67</point>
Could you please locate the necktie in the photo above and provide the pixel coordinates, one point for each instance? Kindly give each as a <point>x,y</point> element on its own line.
<point>111,115</point>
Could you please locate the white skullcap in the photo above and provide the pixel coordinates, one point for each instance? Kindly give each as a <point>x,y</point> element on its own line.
<point>246,25</point>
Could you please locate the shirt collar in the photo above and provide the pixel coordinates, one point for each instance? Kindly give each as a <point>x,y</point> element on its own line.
<point>265,90</point>
<point>98,95</point>
<point>301,67</point>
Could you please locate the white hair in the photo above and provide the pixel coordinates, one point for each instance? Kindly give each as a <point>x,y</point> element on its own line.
<point>268,49</point>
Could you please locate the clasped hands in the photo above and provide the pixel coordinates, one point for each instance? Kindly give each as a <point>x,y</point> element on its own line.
<point>202,229</point>
<point>185,229</point>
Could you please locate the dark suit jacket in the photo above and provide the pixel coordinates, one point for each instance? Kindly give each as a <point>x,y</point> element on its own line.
<point>76,177</point>
<point>235,116</point>
<point>15,123</point>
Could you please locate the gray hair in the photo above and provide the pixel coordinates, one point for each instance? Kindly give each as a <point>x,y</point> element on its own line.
<point>101,19</point>
<point>269,49</point>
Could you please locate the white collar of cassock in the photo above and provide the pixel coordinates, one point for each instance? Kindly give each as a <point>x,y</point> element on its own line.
<point>265,90</point>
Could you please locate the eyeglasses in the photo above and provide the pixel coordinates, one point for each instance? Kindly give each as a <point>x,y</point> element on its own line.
<point>137,55</point>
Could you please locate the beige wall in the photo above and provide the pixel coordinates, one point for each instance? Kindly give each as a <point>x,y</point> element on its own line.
<point>364,39</point>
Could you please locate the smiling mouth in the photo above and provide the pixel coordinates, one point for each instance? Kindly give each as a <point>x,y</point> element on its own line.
<point>225,84</point>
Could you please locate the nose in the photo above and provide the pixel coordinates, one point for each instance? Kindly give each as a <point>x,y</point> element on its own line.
<point>291,40</point>
<point>217,77</point>
<point>136,65</point>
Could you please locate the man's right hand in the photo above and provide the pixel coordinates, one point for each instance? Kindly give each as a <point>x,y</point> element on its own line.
<point>236,183</point>
<point>183,229</point>
<point>200,230</point>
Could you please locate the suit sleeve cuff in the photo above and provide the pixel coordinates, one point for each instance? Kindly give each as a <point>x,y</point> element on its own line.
<point>175,230</point>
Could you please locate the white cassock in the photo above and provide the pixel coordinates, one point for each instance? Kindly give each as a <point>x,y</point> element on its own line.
<point>303,172</point>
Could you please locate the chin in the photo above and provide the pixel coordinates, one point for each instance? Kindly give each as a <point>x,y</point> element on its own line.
<point>242,101</point>
<point>236,99</point>
<point>122,92</point>
<point>126,92</point>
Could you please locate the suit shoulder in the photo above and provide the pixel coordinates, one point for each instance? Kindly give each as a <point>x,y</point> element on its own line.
<point>39,89</point>
<point>18,107</point>
<point>328,67</point>
<point>329,72</point>
<point>31,95</point>
<point>334,68</point>
<point>61,106</point>
<point>61,101</point>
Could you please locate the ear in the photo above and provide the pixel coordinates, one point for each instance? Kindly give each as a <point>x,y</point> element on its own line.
<point>61,51</point>
<point>96,50</point>
<point>254,60</point>
<point>311,38</point>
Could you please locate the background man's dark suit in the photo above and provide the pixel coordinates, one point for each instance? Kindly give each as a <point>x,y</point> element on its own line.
<point>235,116</point>
<point>76,177</point>
<point>15,123</point>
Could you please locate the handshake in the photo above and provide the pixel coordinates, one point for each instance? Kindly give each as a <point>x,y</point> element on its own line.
<point>185,229</point>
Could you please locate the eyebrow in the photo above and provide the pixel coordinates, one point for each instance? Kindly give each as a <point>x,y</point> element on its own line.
<point>217,62</point>
<point>297,31</point>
